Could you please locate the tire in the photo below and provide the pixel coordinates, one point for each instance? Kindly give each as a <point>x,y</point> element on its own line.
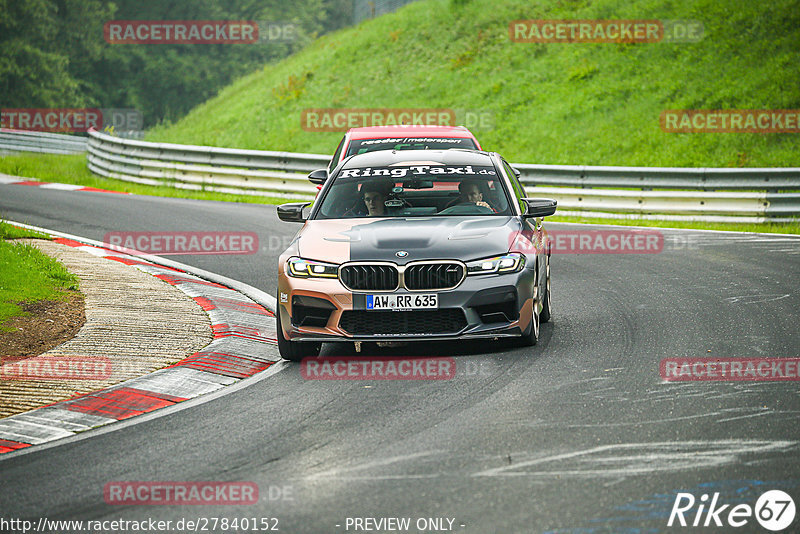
<point>532,337</point>
<point>295,350</point>
<point>546,308</point>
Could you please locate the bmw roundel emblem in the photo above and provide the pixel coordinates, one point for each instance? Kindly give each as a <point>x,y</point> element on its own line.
<point>401,253</point>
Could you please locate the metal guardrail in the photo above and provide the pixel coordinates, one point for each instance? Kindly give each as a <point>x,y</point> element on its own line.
<point>706,194</point>
<point>42,142</point>
<point>206,168</point>
<point>648,192</point>
<point>703,179</point>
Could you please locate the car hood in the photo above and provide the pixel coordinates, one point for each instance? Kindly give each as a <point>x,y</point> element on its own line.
<point>464,238</point>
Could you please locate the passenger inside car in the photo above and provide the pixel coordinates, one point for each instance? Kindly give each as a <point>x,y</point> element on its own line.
<point>372,201</point>
<point>470,192</point>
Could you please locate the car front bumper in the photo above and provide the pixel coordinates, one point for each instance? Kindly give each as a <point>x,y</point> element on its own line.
<point>485,306</point>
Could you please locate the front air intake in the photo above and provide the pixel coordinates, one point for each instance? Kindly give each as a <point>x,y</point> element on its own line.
<point>421,276</point>
<point>369,277</point>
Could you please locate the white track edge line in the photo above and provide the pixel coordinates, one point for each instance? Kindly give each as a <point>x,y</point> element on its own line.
<point>796,236</point>
<point>273,369</point>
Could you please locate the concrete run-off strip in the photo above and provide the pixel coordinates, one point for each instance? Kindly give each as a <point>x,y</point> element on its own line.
<point>135,324</point>
<point>160,332</point>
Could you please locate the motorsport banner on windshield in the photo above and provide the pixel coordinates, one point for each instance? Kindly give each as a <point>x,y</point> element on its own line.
<point>404,142</point>
<point>418,170</point>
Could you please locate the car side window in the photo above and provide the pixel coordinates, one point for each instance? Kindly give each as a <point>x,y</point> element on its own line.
<point>335,159</point>
<point>519,191</point>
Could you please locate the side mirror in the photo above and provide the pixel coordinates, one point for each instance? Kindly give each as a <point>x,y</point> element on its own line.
<point>539,207</point>
<point>517,172</point>
<point>292,212</point>
<point>318,176</point>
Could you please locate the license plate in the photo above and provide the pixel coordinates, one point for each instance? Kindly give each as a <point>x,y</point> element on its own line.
<point>426,301</point>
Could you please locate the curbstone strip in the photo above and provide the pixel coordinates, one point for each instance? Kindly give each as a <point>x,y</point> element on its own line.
<point>134,325</point>
<point>7,179</point>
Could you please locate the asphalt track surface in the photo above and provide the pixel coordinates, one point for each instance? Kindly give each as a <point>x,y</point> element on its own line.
<point>577,434</point>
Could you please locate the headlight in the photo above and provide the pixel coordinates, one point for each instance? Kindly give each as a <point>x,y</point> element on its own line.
<point>300,268</point>
<point>510,263</point>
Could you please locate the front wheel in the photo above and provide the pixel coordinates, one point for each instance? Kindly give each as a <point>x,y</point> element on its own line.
<point>532,337</point>
<point>295,350</point>
<point>545,316</point>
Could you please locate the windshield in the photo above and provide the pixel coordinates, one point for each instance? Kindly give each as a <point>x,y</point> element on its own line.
<point>415,191</point>
<point>359,146</point>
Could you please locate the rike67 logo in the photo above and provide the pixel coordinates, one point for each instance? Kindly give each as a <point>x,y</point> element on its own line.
<point>774,510</point>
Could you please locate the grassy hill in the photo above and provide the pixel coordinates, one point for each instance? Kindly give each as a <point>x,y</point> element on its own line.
<point>559,103</point>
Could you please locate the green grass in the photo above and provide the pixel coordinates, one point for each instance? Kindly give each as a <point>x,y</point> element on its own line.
<point>28,275</point>
<point>71,169</point>
<point>9,231</point>
<point>559,103</point>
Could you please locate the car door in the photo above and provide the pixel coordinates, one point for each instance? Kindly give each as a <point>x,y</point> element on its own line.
<point>530,226</point>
